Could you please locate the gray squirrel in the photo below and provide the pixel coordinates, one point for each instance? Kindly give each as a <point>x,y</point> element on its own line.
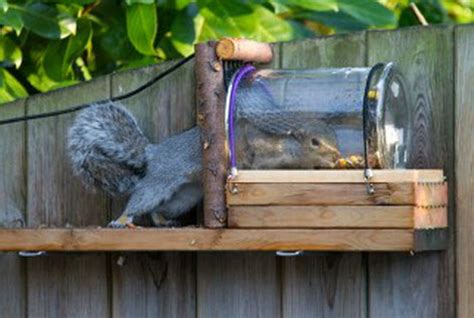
<point>108,150</point>
<point>313,145</point>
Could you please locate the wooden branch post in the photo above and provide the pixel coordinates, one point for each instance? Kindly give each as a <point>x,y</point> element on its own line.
<point>210,97</point>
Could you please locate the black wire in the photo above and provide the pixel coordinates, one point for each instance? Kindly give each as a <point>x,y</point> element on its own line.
<point>113,99</point>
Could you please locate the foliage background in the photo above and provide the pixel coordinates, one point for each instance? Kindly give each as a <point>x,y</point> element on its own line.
<point>50,44</point>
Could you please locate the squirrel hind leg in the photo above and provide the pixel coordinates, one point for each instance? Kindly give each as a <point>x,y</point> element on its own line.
<point>122,222</point>
<point>160,221</point>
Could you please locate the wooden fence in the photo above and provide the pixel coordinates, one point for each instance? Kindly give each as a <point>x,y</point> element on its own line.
<point>36,184</point>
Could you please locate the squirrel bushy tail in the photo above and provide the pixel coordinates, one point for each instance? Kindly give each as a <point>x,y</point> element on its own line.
<point>107,148</point>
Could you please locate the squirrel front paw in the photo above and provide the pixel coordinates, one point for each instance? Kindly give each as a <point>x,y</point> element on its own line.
<point>123,222</point>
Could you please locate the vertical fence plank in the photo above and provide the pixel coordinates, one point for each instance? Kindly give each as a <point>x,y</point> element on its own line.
<point>420,285</point>
<point>324,285</point>
<point>328,285</point>
<point>12,207</point>
<point>464,79</point>
<point>239,284</point>
<point>63,285</point>
<point>156,284</point>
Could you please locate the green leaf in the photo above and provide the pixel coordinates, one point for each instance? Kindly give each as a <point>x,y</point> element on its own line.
<point>181,4</point>
<point>46,21</point>
<point>3,6</point>
<point>340,21</point>
<point>64,84</point>
<point>80,2</point>
<point>227,18</point>
<point>142,26</point>
<point>110,43</point>
<point>369,12</point>
<point>183,33</point>
<point>13,19</point>
<point>9,52</point>
<point>270,28</point>
<point>132,2</point>
<point>432,10</point>
<point>41,81</point>
<point>142,62</point>
<point>318,5</point>
<point>60,55</point>
<point>10,88</point>
<point>278,7</point>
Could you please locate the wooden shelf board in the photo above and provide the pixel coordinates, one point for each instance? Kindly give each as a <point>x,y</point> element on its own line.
<point>200,239</point>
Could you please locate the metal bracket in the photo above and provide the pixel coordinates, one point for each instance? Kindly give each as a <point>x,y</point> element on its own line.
<point>232,187</point>
<point>368,174</point>
<point>31,253</point>
<point>289,253</point>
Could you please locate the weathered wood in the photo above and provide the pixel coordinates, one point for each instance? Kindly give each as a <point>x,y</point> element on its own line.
<point>336,176</point>
<point>254,292</point>
<point>210,98</point>
<point>57,198</point>
<point>244,50</point>
<point>424,195</point>
<point>226,274</point>
<point>324,285</point>
<point>196,239</point>
<point>12,207</point>
<point>431,239</point>
<point>152,284</point>
<point>336,217</point>
<point>464,76</point>
<point>425,56</point>
<point>349,292</point>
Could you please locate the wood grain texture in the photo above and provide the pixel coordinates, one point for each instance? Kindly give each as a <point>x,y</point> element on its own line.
<point>244,50</point>
<point>12,207</point>
<point>210,101</point>
<point>425,56</point>
<point>337,176</point>
<point>464,77</point>
<point>156,284</point>
<point>430,218</point>
<point>336,217</point>
<point>337,194</point>
<point>247,286</point>
<point>436,239</point>
<point>238,281</point>
<point>63,285</point>
<point>336,51</point>
<point>324,285</point>
<point>202,239</point>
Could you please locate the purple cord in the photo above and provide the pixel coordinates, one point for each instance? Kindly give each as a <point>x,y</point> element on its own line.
<point>241,73</point>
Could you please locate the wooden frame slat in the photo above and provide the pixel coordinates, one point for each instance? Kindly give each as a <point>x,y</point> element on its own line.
<point>337,176</point>
<point>197,239</point>
<point>336,217</point>
<point>338,194</point>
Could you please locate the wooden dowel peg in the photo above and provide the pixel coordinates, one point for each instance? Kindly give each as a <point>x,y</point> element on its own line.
<point>244,50</point>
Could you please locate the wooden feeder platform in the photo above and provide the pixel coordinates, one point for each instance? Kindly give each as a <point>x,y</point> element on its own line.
<point>286,210</point>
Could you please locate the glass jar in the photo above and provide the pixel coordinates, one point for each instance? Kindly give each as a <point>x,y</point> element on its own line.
<point>325,118</point>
